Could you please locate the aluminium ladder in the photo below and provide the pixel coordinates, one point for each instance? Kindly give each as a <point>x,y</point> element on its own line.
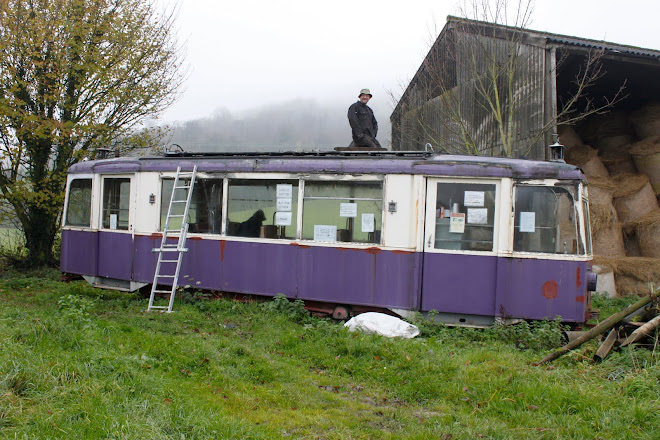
<point>170,254</point>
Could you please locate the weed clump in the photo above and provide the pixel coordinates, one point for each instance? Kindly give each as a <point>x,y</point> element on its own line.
<point>293,310</point>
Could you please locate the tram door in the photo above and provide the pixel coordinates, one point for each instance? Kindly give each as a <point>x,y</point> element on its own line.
<point>115,246</point>
<point>460,263</point>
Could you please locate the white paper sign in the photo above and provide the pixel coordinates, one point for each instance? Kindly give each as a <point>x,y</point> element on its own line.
<point>325,233</point>
<point>283,204</point>
<point>527,221</point>
<point>284,190</point>
<point>282,218</point>
<point>113,221</point>
<point>478,216</point>
<point>473,198</point>
<point>368,223</point>
<point>457,223</point>
<point>348,210</point>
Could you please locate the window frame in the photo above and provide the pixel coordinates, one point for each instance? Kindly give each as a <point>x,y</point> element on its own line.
<point>93,198</point>
<point>131,201</point>
<point>430,217</point>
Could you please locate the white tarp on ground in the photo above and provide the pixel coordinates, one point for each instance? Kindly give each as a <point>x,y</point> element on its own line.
<point>382,324</point>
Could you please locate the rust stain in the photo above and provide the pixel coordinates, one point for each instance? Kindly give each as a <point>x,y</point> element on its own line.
<point>223,243</point>
<point>373,250</point>
<point>155,235</point>
<point>579,299</point>
<point>550,289</point>
<point>302,246</point>
<point>194,238</point>
<point>403,252</point>
<point>578,281</point>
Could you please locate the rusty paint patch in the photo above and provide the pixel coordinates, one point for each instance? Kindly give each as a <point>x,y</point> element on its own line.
<point>550,289</point>
<point>155,235</point>
<point>223,243</point>
<point>403,252</point>
<point>194,238</point>
<point>578,281</point>
<point>303,246</point>
<point>579,299</point>
<point>373,250</point>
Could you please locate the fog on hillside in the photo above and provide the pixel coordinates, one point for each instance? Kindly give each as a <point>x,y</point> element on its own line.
<point>299,125</point>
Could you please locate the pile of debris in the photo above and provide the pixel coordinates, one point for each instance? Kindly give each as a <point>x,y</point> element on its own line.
<point>623,328</point>
<point>620,155</point>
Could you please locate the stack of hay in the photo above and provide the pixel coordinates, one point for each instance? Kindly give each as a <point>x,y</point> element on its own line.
<point>622,165</point>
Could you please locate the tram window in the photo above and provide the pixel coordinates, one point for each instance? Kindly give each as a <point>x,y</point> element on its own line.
<point>465,216</point>
<point>262,208</point>
<point>205,210</point>
<point>79,206</point>
<point>343,211</point>
<point>545,221</point>
<point>116,197</point>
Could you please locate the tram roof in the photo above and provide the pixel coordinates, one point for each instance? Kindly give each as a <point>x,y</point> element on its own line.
<point>355,162</point>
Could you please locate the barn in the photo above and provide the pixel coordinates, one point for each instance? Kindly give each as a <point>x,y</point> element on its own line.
<point>494,90</point>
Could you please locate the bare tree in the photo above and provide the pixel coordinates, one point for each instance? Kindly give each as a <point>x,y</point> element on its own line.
<point>74,75</point>
<point>486,86</point>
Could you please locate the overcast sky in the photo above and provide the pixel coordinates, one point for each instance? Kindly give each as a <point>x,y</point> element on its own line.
<point>249,53</point>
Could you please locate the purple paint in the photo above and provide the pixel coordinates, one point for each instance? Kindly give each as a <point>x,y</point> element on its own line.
<point>432,166</point>
<point>453,283</point>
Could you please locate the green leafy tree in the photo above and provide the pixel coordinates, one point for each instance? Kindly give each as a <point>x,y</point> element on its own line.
<point>75,75</point>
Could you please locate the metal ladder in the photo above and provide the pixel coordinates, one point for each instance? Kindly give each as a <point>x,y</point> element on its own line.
<point>170,254</point>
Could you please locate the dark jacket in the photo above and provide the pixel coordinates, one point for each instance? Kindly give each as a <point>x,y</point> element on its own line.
<point>362,121</point>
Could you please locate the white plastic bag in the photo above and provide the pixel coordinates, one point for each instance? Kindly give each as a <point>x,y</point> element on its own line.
<point>382,324</point>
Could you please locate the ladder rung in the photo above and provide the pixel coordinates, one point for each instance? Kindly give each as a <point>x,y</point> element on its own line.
<point>182,187</point>
<point>159,307</point>
<point>171,250</point>
<point>176,215</point>
<point>165,276</point>
<point>169,261</point>
<point>179,201</point>
<point>162,291</point>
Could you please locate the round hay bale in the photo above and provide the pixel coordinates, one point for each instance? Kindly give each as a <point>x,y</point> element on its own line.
<point>587,158</point>
<point>601,217</point>
<point>646,155</point>
<point>568,137</point>
<point>601,190</point>
<point>627,286</point>
<point>633,196</point>
<point>632,274</point>
<point>605,125</point>
<point>647,230</point>
<point>646,120</point>
<point>613,144</point>
<point>619,162</point>
<point>630,242</point>
<point>608,242</point>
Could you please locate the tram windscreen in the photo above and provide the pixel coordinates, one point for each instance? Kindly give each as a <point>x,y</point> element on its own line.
<point>79,206</point>
<point>116,198</point>
<point>545,220</point>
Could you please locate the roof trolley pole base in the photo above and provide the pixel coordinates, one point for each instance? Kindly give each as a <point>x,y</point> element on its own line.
<point>170,255</point>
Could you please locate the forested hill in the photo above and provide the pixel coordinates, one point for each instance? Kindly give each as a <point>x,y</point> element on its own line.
<point>300,125</point>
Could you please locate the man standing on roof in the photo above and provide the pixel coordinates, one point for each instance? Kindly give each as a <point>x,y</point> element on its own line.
<point>363,123</point>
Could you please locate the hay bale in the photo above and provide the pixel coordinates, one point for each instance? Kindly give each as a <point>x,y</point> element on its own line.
<point>647,231</point>
<point>646,155</point>
<point>633,196</point>
<point>608,241</point>
<point>605,125</point>
<point>587,158</point>
<point>632,274</point>
<point>630,242</point>
<point>646,120</point>
<point>613,144</point>
<point>568,137</point>
<point>619,162</point>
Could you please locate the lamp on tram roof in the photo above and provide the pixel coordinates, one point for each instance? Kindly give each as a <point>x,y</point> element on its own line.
<point>556,152</point>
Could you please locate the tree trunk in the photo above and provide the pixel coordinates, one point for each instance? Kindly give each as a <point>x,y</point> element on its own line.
<point>40,230</point>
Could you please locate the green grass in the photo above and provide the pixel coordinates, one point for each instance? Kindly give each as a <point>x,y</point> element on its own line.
<point>77,362</point>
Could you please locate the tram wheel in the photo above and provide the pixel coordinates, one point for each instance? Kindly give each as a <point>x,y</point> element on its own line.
<point>340,313</point>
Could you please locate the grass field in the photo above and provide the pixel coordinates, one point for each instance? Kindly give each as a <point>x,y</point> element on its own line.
<point>77,362</point>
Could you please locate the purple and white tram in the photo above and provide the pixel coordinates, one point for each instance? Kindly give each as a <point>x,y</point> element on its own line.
<point>473,238</point>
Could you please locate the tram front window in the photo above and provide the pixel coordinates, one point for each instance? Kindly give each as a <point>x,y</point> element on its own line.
<point>116,197</point>
<point>545,221</point>
<point>79,206</point>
